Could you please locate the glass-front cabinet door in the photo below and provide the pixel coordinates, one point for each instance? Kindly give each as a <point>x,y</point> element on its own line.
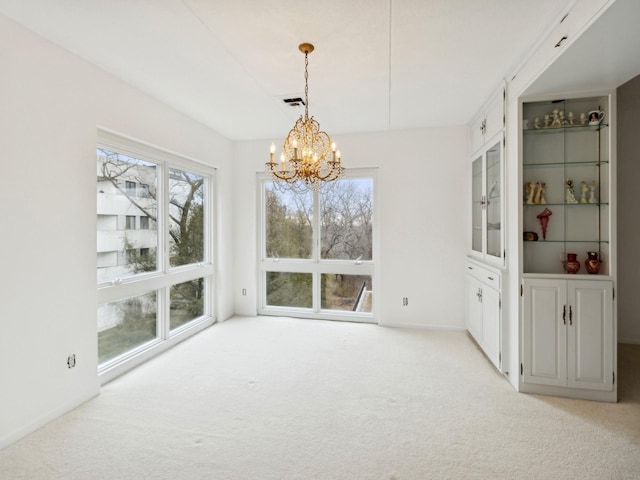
<point>477,205</point>
<point>493,202</point>
<point>487,203</point>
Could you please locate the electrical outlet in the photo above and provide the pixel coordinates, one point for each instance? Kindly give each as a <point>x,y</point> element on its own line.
<point>71,360</point>
<point>405,301</point>
<point>244,292</point>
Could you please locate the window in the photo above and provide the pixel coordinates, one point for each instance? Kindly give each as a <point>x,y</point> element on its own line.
<point>317,249</point>
<point>130,222</point>
<point>144,190</point>
<point>155,283</point>
<point>130,188</point>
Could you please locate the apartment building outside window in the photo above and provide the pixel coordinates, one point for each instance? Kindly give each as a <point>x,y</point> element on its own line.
<point>154,247</point>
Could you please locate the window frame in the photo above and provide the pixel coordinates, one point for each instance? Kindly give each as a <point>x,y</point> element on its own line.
<point>316,265</point>
<point>164,276</point>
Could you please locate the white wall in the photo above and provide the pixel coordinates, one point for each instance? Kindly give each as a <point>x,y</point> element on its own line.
<point>628,96</point>
<point>423,215</point>
<point>51,103</point>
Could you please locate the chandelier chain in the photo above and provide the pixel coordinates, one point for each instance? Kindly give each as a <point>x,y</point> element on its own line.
<point>306,85</point>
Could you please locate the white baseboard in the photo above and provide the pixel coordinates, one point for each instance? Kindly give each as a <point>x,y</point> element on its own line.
<point>46,418</point>
<point>422,326</point>
<point>633,341</point>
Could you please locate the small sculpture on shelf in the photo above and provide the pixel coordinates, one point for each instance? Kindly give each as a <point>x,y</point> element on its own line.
<point>531,190</point>
<point>583,118</point>
<point>584,190</point>
<point>556,121</point>
<point>572,265</point>
<point>592,192</point>
<point>539,199</point>
<point>536,123</point>
<point>570,196</point>
<point>596,116</point>
<point>571,119</point>
<point>592,263</point>
<point>547,121</point>
<point>543,218</point>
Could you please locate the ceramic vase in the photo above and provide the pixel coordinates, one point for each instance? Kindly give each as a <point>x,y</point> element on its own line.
<point>572,265</point>
<point>592,262</point>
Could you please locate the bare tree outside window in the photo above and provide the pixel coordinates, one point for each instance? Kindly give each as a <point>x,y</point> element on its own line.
<point>344,233</point>
<point>127,190</point>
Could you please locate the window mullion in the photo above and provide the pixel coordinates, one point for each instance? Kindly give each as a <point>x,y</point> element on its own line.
<point>316,252</point>
<point>163,256</point>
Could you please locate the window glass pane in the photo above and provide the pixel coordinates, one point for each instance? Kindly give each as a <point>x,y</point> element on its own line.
<point>119,203</point>
<point>285,289</point>
<point>186,218</point>
<point>126,324</point>
<point>187,302</point>
<point>288,223</point>
<point>346,292</point>
<point>347,219</point>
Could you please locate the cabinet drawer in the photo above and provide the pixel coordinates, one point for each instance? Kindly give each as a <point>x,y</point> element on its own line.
<point>485,275</point>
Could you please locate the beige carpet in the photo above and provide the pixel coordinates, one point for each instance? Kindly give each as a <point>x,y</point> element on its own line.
<point>277,398</point>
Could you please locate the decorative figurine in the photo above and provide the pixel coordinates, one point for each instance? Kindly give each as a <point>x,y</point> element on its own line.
<point>563,119</point>
<point>555,119</point>
<point>547,121</point>
<point>531,190</point>
<point>596,116</point>
<point>584,189</point>
<point>592,263</point>
<point>592,192</point>
<point>570,195</point>
<point>544,221</point>
<point>538,198</point>
<point>572,118</point>
<point>572,265</point>
<point>536,123</point>
<point>583,119</point>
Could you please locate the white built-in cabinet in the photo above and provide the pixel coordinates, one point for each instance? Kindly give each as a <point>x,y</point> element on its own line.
<point>487,141</point>
<point>488,122</point>
<point>486,239</point>
<point>483,307</point>
<point>568,333</point>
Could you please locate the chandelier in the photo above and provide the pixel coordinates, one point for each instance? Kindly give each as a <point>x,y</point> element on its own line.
<point>309,158</point>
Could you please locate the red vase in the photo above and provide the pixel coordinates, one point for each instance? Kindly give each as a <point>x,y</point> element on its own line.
<point>592,262</point>
<point>572,265</point>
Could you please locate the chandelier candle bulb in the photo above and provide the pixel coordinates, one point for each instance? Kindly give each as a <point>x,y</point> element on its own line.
<point>272,150</point>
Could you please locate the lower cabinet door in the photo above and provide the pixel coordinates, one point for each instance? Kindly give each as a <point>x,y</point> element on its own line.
<point>544,332</point>
<point>491,325</point>
<point>568,333</point>
<point>590,339</point>
<point>474,308</point>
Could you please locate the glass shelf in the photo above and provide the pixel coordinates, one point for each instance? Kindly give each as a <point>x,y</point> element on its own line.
<point>596,163</point>
<point>565,204</point>
<point>566,128</point>
<point>539,242</point>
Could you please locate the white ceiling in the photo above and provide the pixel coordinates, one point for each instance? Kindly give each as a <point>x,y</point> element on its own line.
<point>378,64</point>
